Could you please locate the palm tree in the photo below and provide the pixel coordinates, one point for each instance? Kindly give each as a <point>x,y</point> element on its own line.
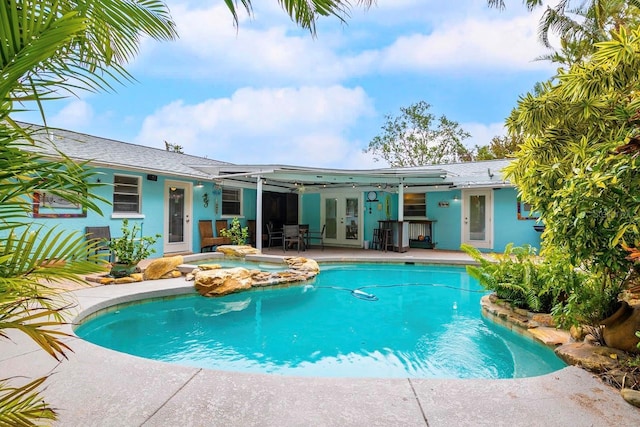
<point>49,50</point>
<point>580,26</point>
<point>305,12</point>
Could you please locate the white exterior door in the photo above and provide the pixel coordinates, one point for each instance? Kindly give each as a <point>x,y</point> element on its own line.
<point>342,213</point>
<point>477,218</point>
<point>178,212</point>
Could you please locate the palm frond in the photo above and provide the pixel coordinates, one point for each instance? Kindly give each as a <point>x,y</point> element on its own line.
<point>23,406</point>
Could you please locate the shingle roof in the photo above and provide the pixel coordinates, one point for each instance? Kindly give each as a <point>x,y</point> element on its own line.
<point>103,152</point>
<point>117,154</point>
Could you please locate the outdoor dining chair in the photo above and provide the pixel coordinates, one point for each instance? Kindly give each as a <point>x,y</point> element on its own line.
<point>292,236</point>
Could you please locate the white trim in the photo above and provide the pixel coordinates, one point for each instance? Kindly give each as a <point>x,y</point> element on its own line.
<point>487,243</point>
<point>121,215</point>
<point>187,243</point>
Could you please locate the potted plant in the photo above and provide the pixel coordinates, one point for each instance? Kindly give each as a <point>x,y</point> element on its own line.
<point>236,233</point>
<point>129,249</point>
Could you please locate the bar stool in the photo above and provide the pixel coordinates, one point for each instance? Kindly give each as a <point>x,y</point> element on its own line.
<point>386,239</point>
<point>375,242</point>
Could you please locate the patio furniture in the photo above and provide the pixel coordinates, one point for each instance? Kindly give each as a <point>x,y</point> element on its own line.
<point>103,236</point>
<point>304,233</point>
<point>316,235</point>
<point>207,238</point>
<point>375,241</point>
<point>292,236</point>
<point>251,226</point>
<point>274,236</point>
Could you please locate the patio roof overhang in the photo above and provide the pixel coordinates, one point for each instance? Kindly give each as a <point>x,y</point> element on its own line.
<point>291,178</point>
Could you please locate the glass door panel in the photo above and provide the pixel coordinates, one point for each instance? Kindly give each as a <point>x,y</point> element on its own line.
<point>341,214</point>
<point>477,218</point>
<point>331,218</point>
<point>177,213</point>
<point>351,218</point>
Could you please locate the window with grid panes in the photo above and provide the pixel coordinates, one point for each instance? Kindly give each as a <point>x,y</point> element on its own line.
<point>231,201</point>
<point>126,194</point>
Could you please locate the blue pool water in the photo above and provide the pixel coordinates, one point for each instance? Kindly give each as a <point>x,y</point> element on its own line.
<point>402,321</point>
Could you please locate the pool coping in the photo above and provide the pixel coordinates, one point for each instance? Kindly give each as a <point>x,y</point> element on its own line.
<point>98,386</point>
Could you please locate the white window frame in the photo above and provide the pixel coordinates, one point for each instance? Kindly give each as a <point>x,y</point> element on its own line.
<point>240,194</point>
<point>138,193</point>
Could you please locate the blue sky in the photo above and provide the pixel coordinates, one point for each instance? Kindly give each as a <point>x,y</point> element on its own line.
<point>267,92</point>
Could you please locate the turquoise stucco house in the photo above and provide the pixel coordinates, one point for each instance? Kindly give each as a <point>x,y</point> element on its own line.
<point>168,193</point>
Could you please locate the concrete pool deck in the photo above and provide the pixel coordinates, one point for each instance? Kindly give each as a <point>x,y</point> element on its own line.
<point>101,387</point>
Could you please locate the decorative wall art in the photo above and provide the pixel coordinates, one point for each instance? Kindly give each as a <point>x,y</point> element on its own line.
<point>49,205</point>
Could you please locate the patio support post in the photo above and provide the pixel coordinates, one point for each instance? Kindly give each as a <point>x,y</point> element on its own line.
<point>259,214</point>
<point>401,202</point>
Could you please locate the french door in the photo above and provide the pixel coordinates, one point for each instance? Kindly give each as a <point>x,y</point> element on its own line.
<point>477,218</point>
<point>178,210</point>
<point>342,214</point>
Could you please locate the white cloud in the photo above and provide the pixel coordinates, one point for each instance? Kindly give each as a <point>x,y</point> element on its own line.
<point>271,50</point>
<point>75,115</point>
<point>466,46</point>
<point>306,126</point>
<point>481,133</point>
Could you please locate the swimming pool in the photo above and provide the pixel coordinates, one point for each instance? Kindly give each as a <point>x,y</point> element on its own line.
<point>353,320</point>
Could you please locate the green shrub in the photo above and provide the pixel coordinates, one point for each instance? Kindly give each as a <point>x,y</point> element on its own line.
<point>513,276</point>
<point>236,233</point>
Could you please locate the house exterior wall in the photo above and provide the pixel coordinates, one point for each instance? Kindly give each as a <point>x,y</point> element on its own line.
<point>446,229</point>
<point>444,207</point>
<point>152,216</point>
<point>508,228</point>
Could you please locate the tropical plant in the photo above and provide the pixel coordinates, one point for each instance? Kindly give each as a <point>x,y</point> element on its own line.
<point>49,50</point>
<point>549,284</point>
<point>500,147</point>
<point>130,248</point>
<point>513,276</point>
<point>580,25</point>
<point>411,139</point>
<point>305,12</point>
<point>236,232</point>
<point>579,163</point>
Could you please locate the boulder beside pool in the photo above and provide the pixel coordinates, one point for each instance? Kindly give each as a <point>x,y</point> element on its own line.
<point>222,281</point>
<point>212,282</point>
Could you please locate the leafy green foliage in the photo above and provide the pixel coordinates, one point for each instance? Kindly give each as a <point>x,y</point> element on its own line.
<point>580,25</point>
<point>513,276</point>
<point>236,232</point>
<point>49,50</point>
<point>21,406</point>
<point>413,139</point>
<point>130,248</point>
<point>500,147</point>
<point>579,167</point>
<point>537,284</point>
<point>305,13</point>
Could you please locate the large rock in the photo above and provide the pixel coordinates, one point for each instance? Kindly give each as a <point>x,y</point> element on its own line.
<point>161,267</point>
<point>238,251</point>
<point>620,328</point>
<point>302,264</point>
<point>222,281</point>
<point>631,396</point>
<point>592,358</point>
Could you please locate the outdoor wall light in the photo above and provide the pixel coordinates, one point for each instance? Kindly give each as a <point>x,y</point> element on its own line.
<point>199,184</point>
